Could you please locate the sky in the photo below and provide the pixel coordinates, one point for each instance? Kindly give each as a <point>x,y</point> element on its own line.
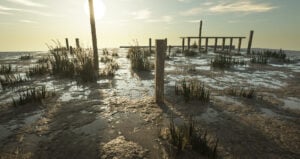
<point>31,25</point>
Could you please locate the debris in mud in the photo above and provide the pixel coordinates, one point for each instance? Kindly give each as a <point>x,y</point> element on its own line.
<point>120,148</point>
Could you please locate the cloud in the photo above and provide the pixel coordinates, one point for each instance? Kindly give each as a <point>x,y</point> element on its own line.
<point>28,21</point>
<point>193,21</point>
<point>8,10</point>
<point>166,19</point>
<point>27,3</point>
<point>233,7</point>
<point>193,11</point>
<point>142,14</point>
<point>241,6</point>
<point>4,13</point>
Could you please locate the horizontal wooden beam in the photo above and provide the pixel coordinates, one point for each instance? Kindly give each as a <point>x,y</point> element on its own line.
<point>213,37</point>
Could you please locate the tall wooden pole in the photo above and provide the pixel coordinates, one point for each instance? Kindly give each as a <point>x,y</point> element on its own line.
<point>189,43</point>
<point>161,46</point>
<point>67,44</point>
<point>239,45</point>
<point>94,35</point>
<point>200,34</point>
<point>150,45</point>
<point>77,43</point>
<point>223,44</point>
<point>216,43</point>
<point>230,47</point>
<point>206,45</point>
<point>183,45</point>
<point>250,42</point>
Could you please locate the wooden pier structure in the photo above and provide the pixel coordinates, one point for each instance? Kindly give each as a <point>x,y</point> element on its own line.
<point>229,47</point>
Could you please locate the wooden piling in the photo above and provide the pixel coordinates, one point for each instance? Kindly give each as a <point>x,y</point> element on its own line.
<point>223,44</point>
<point>189,44</point>
<point>150,45</point>
<point>161,46</point>
<point>170,47</point>
<point>206,44</point>
<point>230,46</point>
<point>77,43</point>
<point>239,45</point>
<point>200,34</point>
<point>94,35</point>
<point>216,44</point>
<point>183,45</point>
<point>250,42</point>
<point>67,44</point>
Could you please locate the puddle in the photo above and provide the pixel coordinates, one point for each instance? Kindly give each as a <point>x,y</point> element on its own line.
<point>209,116</point>
<point>4,132</point>
<point>75,93</point>
<point>33,118</point>
<point>269,112</point>
<point>292,103</point>
<point>229,100</point>
<point>92,128</point>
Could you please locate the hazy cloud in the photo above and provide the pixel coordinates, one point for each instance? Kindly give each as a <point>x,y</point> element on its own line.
<point>241,6</point>
<point>28,21</point>
<point>142,14</point>
<point>166,19</point>
<point>27,3</point>
<point>9,10</point>
<point>229,7</point>
<point>4,13</point>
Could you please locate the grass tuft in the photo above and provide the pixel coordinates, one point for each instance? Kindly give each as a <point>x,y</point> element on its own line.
<point>139,59</point>
<point>223,61</point>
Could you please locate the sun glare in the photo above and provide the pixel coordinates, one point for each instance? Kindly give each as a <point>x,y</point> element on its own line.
<point>99,9</point>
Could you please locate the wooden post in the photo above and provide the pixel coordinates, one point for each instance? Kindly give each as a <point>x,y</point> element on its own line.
<point>77,43</point>
<point>250,42</point>
<point>94,35</point>
<point>239,45</point>
<point>183,45</point>
<point>150,45</point>
<point>159,70</point>
<point>206,44</point>
<point>216,44</point>
<point>170,47</point>
<point>71,50</point>
<point>223,44</point>
<point>67,44</point>
<point>200,35</point>
<point>230,47</point>
<point>189,43</point>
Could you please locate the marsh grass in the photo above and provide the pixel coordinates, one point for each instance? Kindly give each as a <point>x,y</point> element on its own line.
<point>139,59</point>
<point>223,61</point>
<point>189,53</point>
<point>195,46</point>
<point>38,70</point>
<point>187,135</point>
<point>246,93</point>
<point>31,95</point>
<point>192,90</point>
<point>110,69</point>
<point>26,57</point>
<point>6,69</point>
<point>259,59</point>
<point>77,65</point>
<point>12,80</point>
<point>43,60</point>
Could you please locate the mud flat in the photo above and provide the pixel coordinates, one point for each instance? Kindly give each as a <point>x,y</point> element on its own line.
<point>88,120</point>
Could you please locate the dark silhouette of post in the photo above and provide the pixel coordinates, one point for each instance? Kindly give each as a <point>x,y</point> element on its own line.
<point>239,45</point>
<point>94,35</point>
<point>216,44</point>
<point>250,42</point>
<point>206,44</point>
<point>183,45</point>
<point>200,34</point>
<point>230,47</point>
<point>189,43</point>
<point>150,45</point>
<point>170,47</point>
<point>223,44</point>
<point>67,44</point>
<point>77,43</point>
<point>161,47</point>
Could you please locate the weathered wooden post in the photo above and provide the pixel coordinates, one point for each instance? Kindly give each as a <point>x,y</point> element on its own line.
<point>239,45</point>
<point>183,45</point>
<point>223,44</point>
<point>230,47</point>
<point>77,43</point>
<point>150,45</point>
<point>206,44</point>
<point>94,35</point>
<point>200,35</point>
<point>170,47</point>
<point>216,44</point>
<point>189,43</point>
<point>161,46</point>
<point>250,42</point>
<point>67,44</point>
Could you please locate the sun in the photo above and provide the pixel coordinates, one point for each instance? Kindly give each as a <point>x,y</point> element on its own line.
<point>99,9</point>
